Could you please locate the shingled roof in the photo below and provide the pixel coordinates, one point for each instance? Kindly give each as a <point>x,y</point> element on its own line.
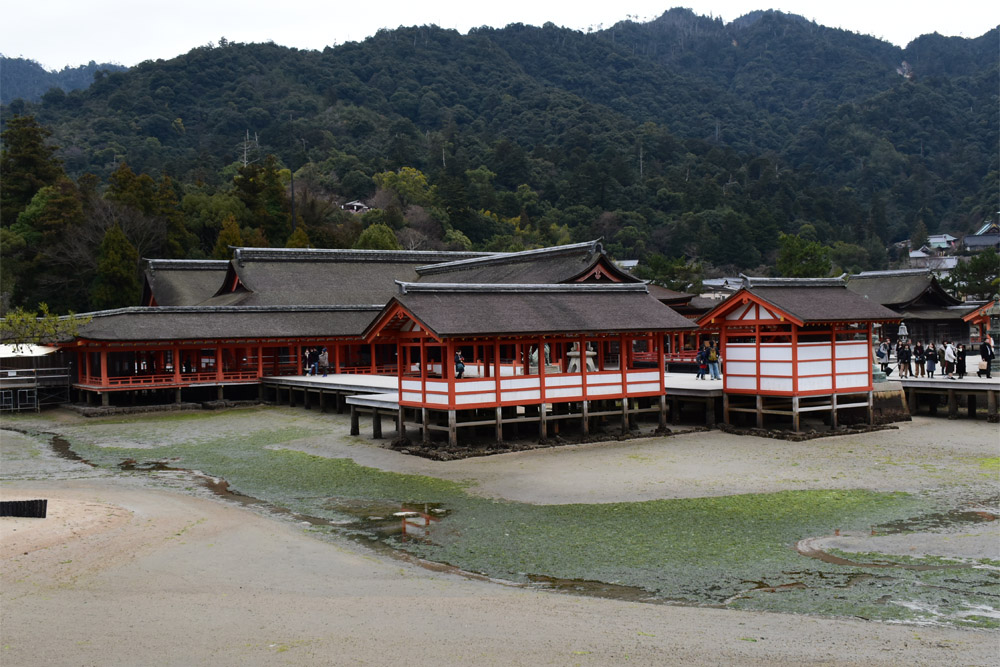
<point>464,310</point>
<point>559,264</point>
<point>901,289</point>
<point>182,282</point>
<point>807,301</point>
<point>303,277</point>
<point>223,322</point>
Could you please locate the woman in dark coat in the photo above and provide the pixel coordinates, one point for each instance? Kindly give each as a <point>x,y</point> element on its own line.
<point>960,356</point>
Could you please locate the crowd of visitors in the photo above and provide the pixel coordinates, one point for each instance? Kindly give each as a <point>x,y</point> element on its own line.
<point>946,358</point>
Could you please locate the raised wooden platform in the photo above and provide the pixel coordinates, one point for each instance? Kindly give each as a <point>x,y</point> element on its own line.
<point>973,391</point>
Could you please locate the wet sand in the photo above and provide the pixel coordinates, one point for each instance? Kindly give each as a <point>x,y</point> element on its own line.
<point>122,573</point>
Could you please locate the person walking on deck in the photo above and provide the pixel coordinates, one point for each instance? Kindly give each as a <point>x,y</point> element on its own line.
<point>920,360</point>
<point>985,354</point>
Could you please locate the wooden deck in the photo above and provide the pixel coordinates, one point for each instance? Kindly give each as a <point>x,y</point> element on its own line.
<point>972,391</point>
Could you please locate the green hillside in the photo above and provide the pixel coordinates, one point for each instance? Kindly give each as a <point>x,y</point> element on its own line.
<point>684,142</point>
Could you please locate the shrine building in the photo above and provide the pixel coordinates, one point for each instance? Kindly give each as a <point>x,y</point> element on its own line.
<point>796,346</point>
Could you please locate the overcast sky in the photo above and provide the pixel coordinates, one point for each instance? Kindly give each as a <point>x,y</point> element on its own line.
<point>57,33</point>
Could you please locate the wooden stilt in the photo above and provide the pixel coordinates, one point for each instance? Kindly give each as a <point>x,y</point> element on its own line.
<point>355,427</point>
<point>725,408</point>
<point>543,426</point>
<point>952,404</point>
<point>376,424</point>
<point>663,411</point>
<point>834,422</point>
<point>971,407</point>
<point>401,423</point>
<point>795,413</point>
<point>425,432</point>
<point>710,417</point>
<point>585,419</point>
<point>499,424</point>
<point>760,412</point>
<point>452,428</point>
<point>991,406</point>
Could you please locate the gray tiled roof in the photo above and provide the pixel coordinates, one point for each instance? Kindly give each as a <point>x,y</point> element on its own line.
<point>182,282</point>
<point>212,323</point>
<point>305,277</point>
<point>559,264</point>
<point>824,304</point>
<point>897,289</point>
<point>460,310</point>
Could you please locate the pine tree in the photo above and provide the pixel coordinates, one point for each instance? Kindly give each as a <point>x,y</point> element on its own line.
<point>229,236</point>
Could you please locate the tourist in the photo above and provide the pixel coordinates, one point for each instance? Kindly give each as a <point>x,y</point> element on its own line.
<point>714,360</point>
<point>313,360</point>
<point>919,359</point>
<point>986,355</point>
<point>702,360</point>
<point>903,356</point>
<point>324,361</point>
<point>960,357</point>
<point>931,360</point>
<point>949,359</point>
<point>459,365</point>
<point>882,353</point>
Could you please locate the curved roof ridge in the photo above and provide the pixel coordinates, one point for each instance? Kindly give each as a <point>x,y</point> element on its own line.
<point>241,254</point>
<point>890,272</point>
<point>509,257</point>
<point>185,264</point>
<point>524,288</point>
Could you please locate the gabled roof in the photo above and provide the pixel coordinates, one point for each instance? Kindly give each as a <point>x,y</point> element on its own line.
<point>200,323</point>
<point>181,282</point>
<point>901,289</point>
<point>560,264</point>
<point>296,276</point>
<point>804,301</point>
<point>465,310</point>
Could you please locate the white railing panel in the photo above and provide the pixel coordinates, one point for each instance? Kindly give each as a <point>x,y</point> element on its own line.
<point>529,382</point>
<point>565,392</point>
<point>469,399</point>
<point>776,384</point>
<point>412,397</point>
<point>853,380</point>
<point>612,389</point>
<point>741,352</point>
<point>775,352</point>
<point>815,368</point>
<point>520,396</point>
<point>436,385</point>
<point>853,366</point>
<point>821,383</point>
<point>853,348</point>
<point>738,382</point>
<point>466,387</point>
<point>644,376</point>
<point>643,387</point>
<point>438,399</point>
<point>810,351</point>
<point>562,380</point>
<point>412,385</point>
<point>594,379</point>
<point>783,369</point>
<point>741,367</point>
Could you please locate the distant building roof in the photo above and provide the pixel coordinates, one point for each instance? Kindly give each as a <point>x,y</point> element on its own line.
<point>559,264</point>
<point>296,276</point>
<point>901,289</point>
<point>181,282</point>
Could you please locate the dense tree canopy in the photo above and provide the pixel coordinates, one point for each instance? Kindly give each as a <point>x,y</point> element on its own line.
<point>683,142</point>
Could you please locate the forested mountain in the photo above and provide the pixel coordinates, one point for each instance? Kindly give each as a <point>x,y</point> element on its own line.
<point>27,80</point>
<point>694,145</point>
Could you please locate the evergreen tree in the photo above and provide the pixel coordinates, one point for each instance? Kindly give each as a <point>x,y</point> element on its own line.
<point>378,237</point>
<point>117,283</point>
<point>799,258</point>
<point>27,164</point>
<point>298,239</point>
<point>229,237</point>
